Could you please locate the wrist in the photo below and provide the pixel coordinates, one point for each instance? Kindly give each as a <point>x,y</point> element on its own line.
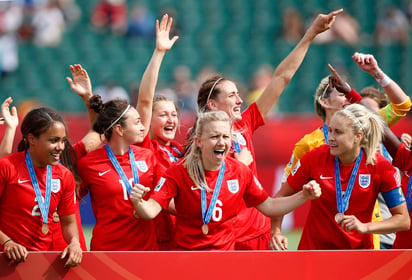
<point>382,78</point>
<point>353,96</point>
<point>5,242</point>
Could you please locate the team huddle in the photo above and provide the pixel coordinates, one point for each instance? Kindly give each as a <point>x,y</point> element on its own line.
<point>150,193</point>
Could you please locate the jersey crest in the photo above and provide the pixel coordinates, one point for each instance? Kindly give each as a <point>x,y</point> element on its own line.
<point>55,185</point>
<point>233,186</point>
<point>364,180</point>
<point>159,185</point>
<point>141,165</point>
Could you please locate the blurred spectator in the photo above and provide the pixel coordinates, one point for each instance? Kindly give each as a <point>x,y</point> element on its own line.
<point>293,26</point>
<point>392,28</point>
<point>259,82</point>
<point>110,91</point>
<point>110,14</point>
<point>48,24</point>
<point>141,22</point>
<point>11,18</point>
<point>70,10</point>
<point>345,29</point>
<point>204,74</point>
<point>185,88</point>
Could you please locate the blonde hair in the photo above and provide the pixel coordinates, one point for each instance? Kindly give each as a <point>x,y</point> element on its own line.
<point>323,91</point>
<point>372,126</point>
<point>193,159</point>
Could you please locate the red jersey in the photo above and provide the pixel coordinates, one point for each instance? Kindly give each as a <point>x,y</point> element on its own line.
<point>250,223</point>
<point>321,232</point>
<point>165,156</point>
<point>238,186</point>
<point>58,240</point>
<point>20,216</point>
<point>403,160</point>
<point>116,228</point>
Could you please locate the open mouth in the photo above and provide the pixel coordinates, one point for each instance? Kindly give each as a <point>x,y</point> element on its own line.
<point>219,153</point>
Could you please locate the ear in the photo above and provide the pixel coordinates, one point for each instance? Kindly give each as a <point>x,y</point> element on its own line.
<point>211,104</point>
<point>197,141</point>
<point>31,139</point>
<point>118,129</point>
<point>358,137</point>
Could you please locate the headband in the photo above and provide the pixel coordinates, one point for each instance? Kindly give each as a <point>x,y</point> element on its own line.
<point>121,115</point>
<point>212,88</point>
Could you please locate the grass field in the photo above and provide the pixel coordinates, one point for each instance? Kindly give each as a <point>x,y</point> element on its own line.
<point>293,237</point>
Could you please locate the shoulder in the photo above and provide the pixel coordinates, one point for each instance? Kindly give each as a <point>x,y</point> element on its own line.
<point>141,151</point>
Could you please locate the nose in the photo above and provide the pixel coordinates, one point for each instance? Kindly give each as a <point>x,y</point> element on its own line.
<point>239,99</point>
<point>60,146</point>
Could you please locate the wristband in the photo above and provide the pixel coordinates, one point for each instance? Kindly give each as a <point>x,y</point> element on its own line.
<point>5,242</point>
<point>353,96</point>
<point>384,81</point>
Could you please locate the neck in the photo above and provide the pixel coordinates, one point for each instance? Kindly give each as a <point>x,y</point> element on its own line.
<point>211,167</point>
<point>118,148</point>
<point>349,158</point>
<point>36,162</point>
<point>162,142</point>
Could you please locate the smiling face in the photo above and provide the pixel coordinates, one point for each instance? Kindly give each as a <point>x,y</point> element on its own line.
<point>335,102</point>
<point>47,148</point>
<point>164,122</point>
<point>228,100</point>
<point>133,129</point>
<point>214,143</point>
<point>342,140</point>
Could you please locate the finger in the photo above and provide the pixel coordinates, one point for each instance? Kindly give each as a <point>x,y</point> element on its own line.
<point>335,13</point>
<point>163,22</point>
<point>64,253</point>
<point>169,24</point>
<point>174,39</point>
<point>157,26</point>
<point>70,81</point>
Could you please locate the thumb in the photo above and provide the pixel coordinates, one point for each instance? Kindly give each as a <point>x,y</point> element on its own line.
<point>70,81</point>
<point>174,39</point>
<point>64,253</point>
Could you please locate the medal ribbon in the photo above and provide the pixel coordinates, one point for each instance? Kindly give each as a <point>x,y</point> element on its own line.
<point>343,202</point>
<point>119,169</point>
<point>171,156</point>
<point>409,194</point>
<point>206,215</point>
<point>236,145</point>
<point>325,131</point>
<point>44,203</point>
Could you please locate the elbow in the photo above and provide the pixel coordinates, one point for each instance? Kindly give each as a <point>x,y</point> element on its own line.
<point>406,223</point>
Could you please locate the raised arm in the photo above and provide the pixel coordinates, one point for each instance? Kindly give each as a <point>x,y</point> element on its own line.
<point>150,76</point>
<point>11,121</point>
<point>288,67</point>
<point>369,64</point>
<point>82,86</point>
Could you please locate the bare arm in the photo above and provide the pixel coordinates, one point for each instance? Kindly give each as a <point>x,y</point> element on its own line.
<point>390,141</point>
<point>11,121</point>
<point>369,64</point>
<point>398,222</point>
<point>150,76</point>
<point>273,207</point>
<point>288,67</point>
<point>146,209</point>
<point>13,250</point>
<point>71,235</point>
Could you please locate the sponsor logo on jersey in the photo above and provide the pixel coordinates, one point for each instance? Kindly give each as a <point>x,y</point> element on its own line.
<point>141,165</point>
<point>55,185</point>
<point>159,185</point>
<point>364,180</point>
<point>239,138</point>
<point>233,185</point>
<point>296,168</point>
<point>104,172</point>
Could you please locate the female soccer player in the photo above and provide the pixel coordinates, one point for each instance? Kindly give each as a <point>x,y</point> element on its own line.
<point>109,173</point>
<point>32,184</point>
<point>159,116</point>
<point>251,227</point>
<point>402,159</point>
<point>351,174</point>
<point>209,189</point>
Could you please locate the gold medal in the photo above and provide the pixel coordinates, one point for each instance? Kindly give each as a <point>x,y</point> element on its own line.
<point>45,229</point>
<point>135,214</point>
<point>205,229</point>
<point>339,218</point>
<point>56,218</point>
